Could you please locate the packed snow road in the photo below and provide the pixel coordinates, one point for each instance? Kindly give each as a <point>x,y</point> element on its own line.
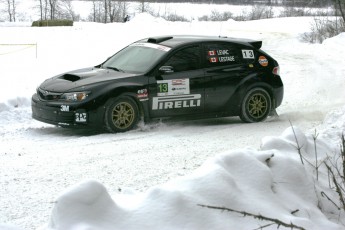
<point>38,161</point>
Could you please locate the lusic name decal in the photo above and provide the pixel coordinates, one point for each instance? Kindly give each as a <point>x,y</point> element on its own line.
<point>173,87</point>
<point>220,56</point>
<point>248,54</point>
<point>176,102</point>
<point>263,61</point>
<point>218,52</point>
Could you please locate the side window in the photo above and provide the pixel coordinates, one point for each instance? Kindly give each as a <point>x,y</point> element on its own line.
<point>222,54</point>
<point>185,59</point>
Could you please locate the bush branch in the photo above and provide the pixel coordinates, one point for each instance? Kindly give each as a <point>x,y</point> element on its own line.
<point>259,217</point>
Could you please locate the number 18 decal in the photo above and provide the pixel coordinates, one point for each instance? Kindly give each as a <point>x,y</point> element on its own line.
<point>248,54</point>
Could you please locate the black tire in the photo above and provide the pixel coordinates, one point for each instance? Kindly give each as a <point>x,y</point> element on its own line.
<point>121,114</point>
<point>256,105</point>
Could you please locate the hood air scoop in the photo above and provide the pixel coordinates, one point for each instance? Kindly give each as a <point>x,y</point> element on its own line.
<point>75,76</point>
<point>70,77</point>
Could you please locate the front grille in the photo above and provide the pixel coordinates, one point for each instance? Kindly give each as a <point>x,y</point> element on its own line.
<point>48,96</point>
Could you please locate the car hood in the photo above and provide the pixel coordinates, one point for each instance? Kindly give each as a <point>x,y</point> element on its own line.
<point>83,77</point>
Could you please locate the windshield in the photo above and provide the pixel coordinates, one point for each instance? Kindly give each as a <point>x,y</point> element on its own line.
<point>136,58</point>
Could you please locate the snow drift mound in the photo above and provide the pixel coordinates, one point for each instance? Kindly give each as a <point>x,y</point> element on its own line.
<point>271,182</point>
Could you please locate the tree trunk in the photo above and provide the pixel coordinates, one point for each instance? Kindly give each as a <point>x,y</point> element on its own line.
<point>341,9</point>
<point>105,11</point>
<point>41,9</point>
<point>10,10</point>
<point>14,10</point>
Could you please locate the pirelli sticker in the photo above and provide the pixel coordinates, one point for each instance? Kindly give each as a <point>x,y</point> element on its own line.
<point>176,102</point>
<point>175,94</point>
<point>173,87</point>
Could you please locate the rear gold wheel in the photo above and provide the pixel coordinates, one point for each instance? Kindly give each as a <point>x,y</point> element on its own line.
<point>256,105</point>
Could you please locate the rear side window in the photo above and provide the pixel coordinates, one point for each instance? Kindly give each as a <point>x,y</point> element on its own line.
<point>221,54</point>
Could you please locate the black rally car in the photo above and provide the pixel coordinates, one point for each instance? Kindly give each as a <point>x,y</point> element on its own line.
<point>165,77</point>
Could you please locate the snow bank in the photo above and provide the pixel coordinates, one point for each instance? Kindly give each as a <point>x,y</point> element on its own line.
<point>271,182</point>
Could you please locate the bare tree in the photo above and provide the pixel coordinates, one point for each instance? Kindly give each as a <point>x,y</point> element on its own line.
<point>43,9</point>
<point>340,4</point>
<point>105,10</point>
<point>94,11</point>
<point>98,11</point>
<point>108,10</point>
<point>144,6</point>
<point>10,9</point>
<point>124,8</point>
<point>116,10</point>
<point>53,7</point>
<point>66,11</point>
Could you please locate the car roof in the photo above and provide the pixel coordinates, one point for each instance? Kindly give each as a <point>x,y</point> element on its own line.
<point>177,40</point>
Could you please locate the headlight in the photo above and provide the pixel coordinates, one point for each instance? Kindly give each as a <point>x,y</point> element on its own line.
<point>75,96</point>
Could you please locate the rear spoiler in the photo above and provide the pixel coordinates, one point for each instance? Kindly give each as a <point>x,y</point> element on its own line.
<point>256,44</point>
<point>157,40</point>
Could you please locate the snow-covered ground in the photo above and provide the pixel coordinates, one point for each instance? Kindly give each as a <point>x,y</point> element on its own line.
<point>155,177</point>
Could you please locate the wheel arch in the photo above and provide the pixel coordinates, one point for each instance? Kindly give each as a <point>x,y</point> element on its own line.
<point>256,105</point>
<point>241,92</point>
<point>126,91</point>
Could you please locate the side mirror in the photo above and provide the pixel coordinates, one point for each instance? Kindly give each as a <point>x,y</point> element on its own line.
<point>166,69</point>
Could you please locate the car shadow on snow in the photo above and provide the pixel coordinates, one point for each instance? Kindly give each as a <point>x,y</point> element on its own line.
<point>202,123</point>
<point>63,132</point>
<point>151,126</point>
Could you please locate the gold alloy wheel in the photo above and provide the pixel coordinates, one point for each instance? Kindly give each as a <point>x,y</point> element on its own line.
<point>123,115</point>
<point>257,105</point>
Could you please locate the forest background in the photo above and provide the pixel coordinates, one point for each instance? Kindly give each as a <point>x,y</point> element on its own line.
<point>329,15</point>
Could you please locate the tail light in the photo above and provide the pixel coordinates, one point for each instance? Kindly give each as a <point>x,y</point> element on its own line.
<point>276,70</point>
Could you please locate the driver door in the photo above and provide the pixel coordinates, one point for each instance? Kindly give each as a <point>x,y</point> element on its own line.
<point>178,87</point>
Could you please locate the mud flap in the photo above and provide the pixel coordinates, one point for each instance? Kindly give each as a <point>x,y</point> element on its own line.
<point>273,113</point>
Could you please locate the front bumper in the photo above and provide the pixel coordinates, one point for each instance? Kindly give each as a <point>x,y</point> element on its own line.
<point>65,115</point>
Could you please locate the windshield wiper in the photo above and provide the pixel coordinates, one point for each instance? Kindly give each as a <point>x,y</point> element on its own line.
<point>114,68</point>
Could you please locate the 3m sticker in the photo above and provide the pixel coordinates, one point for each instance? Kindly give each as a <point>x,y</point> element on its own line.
<point>173,87</point>
<point>248,54</point>
<point>263,61</point>
<point>64,108</point>
<point>176,102</point>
